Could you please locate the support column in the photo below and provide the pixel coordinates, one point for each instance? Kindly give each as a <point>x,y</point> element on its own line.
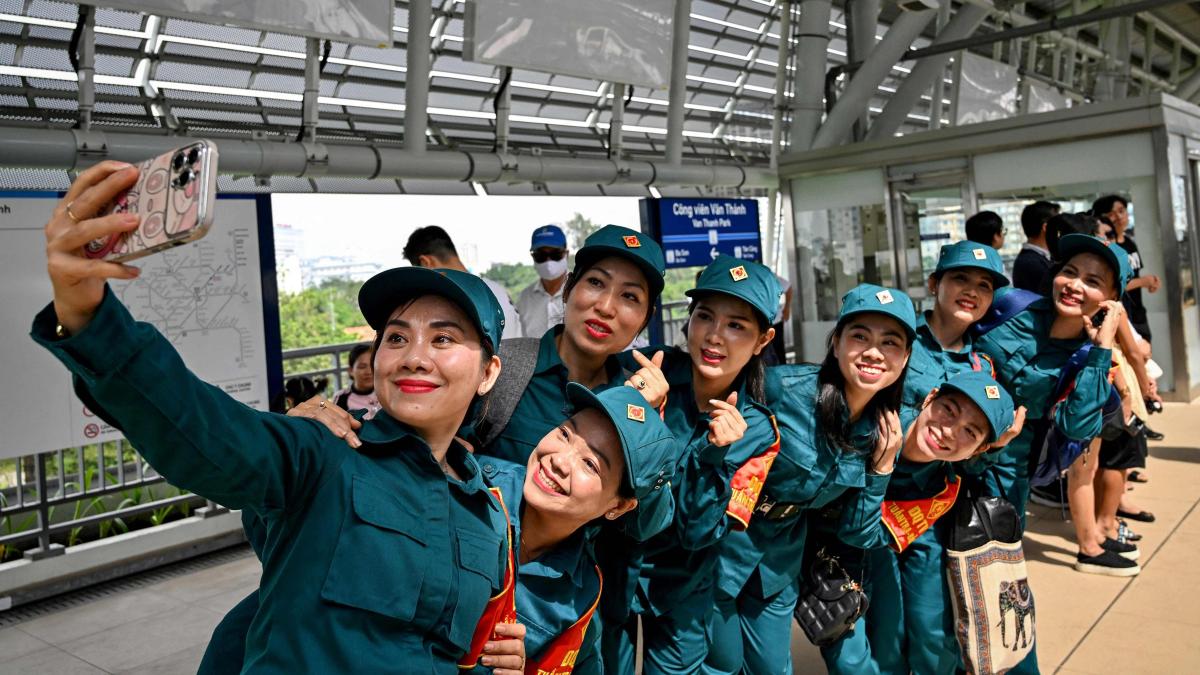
<point>503,108</point>
<point>862,22</point>
<point>783,55</point>
<point>677,94</point>
<point>416,80</point>
<point>312,88</point>
<point>87,67</point>
<point>617,121</point>
<point>862,86</point>
<point>928,70</point>
<point>812,44</point>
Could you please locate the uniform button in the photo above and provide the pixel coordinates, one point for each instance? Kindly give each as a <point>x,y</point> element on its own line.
<point>489,469</point>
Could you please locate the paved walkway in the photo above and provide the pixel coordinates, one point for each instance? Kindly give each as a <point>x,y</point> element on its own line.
<point>160,623</point>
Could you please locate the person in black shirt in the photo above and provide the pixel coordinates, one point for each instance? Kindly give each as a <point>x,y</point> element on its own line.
<point>1031,269</point>
<point>1116,209</point>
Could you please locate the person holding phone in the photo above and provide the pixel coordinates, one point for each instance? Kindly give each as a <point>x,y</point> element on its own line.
<point>349,579</point>
<point>714,409</point>
<point>839,430</point>
<point>1029,350</point>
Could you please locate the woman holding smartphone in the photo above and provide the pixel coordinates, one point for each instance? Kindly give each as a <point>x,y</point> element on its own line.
<point>1031,348</point>
<point>714,409</point>
<point>349,581</point>
<point>840,430</point>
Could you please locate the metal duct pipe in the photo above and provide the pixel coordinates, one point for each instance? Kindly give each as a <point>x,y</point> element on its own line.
<point>785,46</point>
<point>811,44</point>
<point>925,73</point>
<point>416,79</point>
<point>58,149</point>
<point>1052,29</point>
<point>677,93</point>
<point>863,84</point>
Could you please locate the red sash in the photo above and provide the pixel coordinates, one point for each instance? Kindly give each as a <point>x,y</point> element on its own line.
<point>558,658</point>
<point>747,483</point>
<point>500,609</point>
<point>907,520</point>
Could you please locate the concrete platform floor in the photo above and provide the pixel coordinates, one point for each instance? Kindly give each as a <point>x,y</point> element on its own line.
<point>1086,624</point>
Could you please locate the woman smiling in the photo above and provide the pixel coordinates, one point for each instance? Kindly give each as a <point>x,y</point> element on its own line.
<point>714,409</point>
<point>348,583</point>
<point>840,430</point>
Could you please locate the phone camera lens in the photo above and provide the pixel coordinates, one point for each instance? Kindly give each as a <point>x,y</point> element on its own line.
<point>177,161</point>
<point>193,156</point>
<point>184,178</point>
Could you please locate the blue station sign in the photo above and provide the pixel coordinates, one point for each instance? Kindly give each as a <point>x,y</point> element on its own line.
<point>695,231</point>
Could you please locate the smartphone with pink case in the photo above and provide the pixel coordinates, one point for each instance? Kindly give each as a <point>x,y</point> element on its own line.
<point>175,195</point>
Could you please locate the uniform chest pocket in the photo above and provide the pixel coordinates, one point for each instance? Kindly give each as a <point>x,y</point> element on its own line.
<point>792,475</point>
<point>380,558</point>
<point>482,559</point>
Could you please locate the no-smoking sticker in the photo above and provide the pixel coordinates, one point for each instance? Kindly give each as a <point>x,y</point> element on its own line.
<point>91,430</point>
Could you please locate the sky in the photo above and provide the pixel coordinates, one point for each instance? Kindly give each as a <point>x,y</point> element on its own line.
<point>485,230</point>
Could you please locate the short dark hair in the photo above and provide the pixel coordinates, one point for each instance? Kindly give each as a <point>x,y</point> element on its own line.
<point>357,351</point>
<point>1105,204</point>
<point>983,227</point>
<point>429,240</point>
<point>1067,223</point>
<point>1035,216</point>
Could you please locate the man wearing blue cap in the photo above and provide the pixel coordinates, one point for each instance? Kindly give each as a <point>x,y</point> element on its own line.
<point>540,304</point>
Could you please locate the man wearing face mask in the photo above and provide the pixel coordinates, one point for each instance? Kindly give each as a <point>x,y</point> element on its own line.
<point>540,304</point>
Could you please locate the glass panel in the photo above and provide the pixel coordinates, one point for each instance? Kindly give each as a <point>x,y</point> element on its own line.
<point>935,215</point>
<point>837,249</point>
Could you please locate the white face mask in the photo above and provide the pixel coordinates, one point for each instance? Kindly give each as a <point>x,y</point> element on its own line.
<point>551,269</point>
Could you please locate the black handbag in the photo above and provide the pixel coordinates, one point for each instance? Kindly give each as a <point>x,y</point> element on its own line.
<point>830,601</point>
<point>978,520</point>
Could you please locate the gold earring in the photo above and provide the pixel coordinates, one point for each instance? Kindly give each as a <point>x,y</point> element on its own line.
<point>611,515</point>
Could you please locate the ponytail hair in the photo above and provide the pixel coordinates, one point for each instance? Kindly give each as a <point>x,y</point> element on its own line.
<point>833,413</point>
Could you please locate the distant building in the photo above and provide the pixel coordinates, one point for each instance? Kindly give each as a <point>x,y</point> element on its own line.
<point>289,246</point>
<point>318,270</point>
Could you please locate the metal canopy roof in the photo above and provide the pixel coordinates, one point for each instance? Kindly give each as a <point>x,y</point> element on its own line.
<point>175,76</point>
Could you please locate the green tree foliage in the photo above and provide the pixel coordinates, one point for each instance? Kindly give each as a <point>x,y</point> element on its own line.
<point>513,276</point>
<point>577,229</point>
<point>318,316</point>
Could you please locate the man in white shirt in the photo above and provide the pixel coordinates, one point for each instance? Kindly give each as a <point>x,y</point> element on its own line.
<point>540,304</point>
<point>431,247</point>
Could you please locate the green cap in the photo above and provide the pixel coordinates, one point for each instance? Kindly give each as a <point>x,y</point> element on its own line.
<point>865,298</point>
<point>972,254</point>
<point>632,245</point>
<point>992,399</point>
<point>1114,255</point>
<point>649,449</point>
<point>742,279</point>
<point>384,292</point>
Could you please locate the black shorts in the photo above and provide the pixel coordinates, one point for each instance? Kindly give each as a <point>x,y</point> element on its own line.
<point>1122,453</point>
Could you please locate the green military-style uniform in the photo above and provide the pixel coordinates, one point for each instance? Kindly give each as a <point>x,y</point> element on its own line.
<point>760,567</point>
<point>908,626</point>
<point>1028,362</point>
<point>562,585</point>
<point>371,557</point>
<point>931,364</point>
<point>909,623</point>
<point>670,579</point>
<point>542,406</point>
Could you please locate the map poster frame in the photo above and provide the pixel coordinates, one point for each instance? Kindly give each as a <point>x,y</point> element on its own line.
<point>239,308</point>
<point>363,22</point>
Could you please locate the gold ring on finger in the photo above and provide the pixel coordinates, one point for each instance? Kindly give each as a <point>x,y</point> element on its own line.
<point>72,216</point>
<point>641,385</point>
<point>321,404</point>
